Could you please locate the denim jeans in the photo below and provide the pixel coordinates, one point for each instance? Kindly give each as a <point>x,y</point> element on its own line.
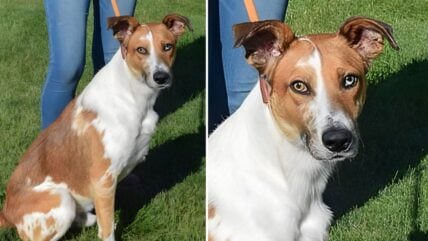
<point>240,77</point>
<point>66,24</point>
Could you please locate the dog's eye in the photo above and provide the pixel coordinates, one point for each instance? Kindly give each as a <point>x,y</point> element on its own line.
<point>167,47</point>
<point>300,87</point>
<point>349,81</point>
<point>142,50</point>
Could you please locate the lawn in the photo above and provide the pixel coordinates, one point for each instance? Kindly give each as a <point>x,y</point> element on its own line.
<point>383,193</point>
<point>165,200</point>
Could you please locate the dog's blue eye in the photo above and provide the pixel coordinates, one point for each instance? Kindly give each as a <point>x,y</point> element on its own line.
<point>300,87</point>
<point>167,47</point>
<point>349,81</point>
<point>142,50</point>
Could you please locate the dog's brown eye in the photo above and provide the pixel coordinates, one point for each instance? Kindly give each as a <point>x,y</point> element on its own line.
<point>300,87</point>
<point>167,47</point>
<point>349,81</point>
<point>142,50</point>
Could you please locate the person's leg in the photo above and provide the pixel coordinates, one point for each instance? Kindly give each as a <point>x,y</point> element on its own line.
<point>217,98</point>
<point>241,77</point>
<point>66,23</point>
<point>272,9</point>
<point>104,45</point>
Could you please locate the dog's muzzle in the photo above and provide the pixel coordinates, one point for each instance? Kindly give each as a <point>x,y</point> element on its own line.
<point>334,144</point>
<point>162,78</point>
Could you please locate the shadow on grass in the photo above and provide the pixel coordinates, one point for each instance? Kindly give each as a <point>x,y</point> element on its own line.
<point>189,78</point>
<point>418,236</point>
<point>165,166</point>
<point>394,132</point>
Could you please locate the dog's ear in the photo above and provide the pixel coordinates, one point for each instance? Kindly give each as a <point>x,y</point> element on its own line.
<point>177,24</point>
<point>122,26</point>
<point>263,41</point>
<point>366,36</point>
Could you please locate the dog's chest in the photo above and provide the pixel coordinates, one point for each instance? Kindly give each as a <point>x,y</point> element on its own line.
<point>128,144</point>
<point>125,119</point>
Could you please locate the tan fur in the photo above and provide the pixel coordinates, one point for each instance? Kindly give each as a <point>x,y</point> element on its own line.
<point>161,36</point>
<point>211,211</point>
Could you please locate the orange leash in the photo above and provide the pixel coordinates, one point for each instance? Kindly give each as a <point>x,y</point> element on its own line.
<point>115,8</point>
<point>251,10</point>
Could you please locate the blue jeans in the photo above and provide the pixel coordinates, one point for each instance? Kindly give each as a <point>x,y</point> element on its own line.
<point>240,77</point>
<point>66,23</point>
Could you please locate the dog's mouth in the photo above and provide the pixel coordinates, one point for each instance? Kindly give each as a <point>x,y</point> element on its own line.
<point>163,86</point>
<point>154,85</point>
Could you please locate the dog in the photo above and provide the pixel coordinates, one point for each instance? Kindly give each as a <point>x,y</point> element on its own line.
<point>75,164</point>
<point>269,162</point>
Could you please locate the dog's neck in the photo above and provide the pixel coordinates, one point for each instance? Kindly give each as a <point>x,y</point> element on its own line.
<point>116,79</point>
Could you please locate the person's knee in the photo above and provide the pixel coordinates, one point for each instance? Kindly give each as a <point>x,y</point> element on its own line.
<point>65,72</point>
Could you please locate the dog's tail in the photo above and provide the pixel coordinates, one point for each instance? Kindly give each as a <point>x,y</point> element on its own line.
<point>4,223</point>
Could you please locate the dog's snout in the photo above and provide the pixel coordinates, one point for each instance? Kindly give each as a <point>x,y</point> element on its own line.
<point>161,77</point>
<point>337,139</point>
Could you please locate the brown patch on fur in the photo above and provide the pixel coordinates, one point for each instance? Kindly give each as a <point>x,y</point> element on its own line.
<point>67,155</point>
<point>210,237</point>
<point>50,221</point>
<point>41,202</point>
<point>104,192</point>
<point>211,211</point>
<point>342,61</point>
<point>288,107</point>
<point>4,223</point>
<point>162,36</point>
<point>37,232</point>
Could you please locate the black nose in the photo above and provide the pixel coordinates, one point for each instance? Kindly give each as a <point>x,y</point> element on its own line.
<point>161,77</point>
<point>337,139</point>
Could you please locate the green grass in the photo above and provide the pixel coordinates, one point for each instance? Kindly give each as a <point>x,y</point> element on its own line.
<point>165,200</point>
<point>383,193</point>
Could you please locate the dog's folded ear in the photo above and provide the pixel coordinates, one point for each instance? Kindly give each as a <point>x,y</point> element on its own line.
<point>177,23</point>
<point>263,41</point>
<point>122,26</point>
<point>366,36</point>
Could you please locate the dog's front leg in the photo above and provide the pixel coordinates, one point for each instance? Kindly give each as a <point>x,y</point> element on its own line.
<point>315,226</point>
<point>104,192</point>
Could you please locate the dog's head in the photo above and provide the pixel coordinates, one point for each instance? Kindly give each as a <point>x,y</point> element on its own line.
<point>149,49</point>
<point>315,85</point>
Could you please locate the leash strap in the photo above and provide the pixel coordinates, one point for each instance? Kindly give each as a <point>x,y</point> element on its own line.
<point>115,8</point>
<point>251,10</point>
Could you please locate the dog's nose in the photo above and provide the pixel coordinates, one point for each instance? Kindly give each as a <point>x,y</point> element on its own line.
<point>337,139</point>
<point>161,77</point>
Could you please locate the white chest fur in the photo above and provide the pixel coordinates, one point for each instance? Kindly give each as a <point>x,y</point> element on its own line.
<point>125,115</point>
<point>262,186</point>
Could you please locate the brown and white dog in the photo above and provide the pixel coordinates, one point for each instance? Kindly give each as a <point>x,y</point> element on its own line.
<point>75,164</point>
<point>269,162</point>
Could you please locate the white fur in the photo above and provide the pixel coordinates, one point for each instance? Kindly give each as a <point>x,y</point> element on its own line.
<point>124,104</point>
<point>263,187</point>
